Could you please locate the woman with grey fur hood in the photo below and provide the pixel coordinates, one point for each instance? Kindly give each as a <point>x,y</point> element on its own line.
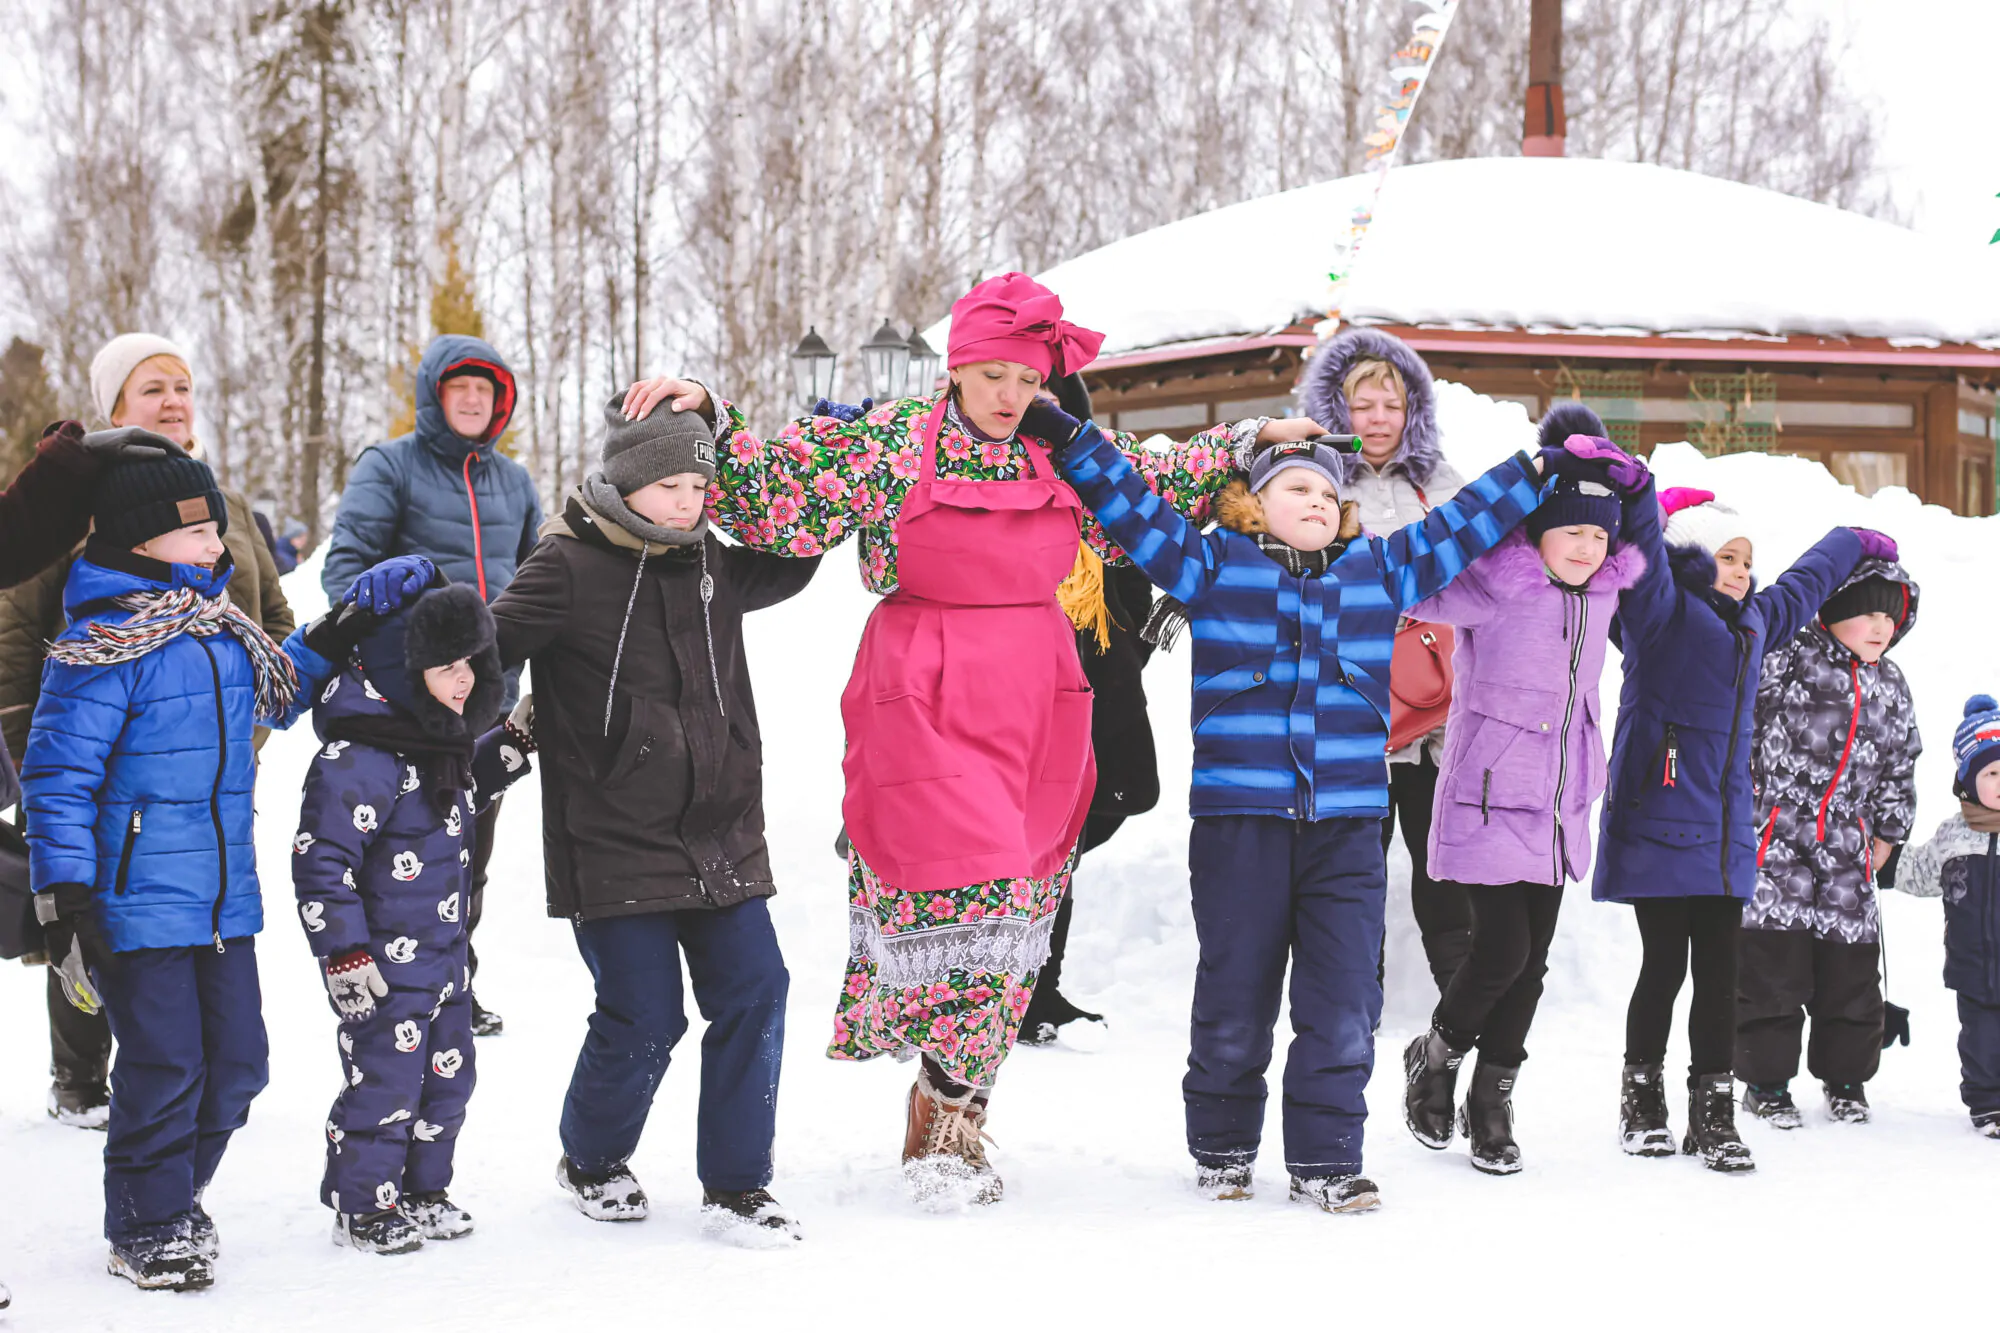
<point>1372,384</point>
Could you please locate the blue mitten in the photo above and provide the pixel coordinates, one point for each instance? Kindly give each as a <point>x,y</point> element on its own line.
<point>826,407</point>
<point>384,587</point>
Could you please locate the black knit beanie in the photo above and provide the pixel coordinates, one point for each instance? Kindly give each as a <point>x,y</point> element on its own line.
<point>136,502</point>
<point>663,443</point>
<point>1866,597</point>
<point>1572,502</point>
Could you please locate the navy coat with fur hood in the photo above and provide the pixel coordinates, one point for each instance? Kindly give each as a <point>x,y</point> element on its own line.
<point>1679,817</point>
<point>383,856</point>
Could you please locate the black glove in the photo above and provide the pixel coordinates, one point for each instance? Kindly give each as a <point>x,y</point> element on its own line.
<point>75,942</point>
<point>334,634</point>
<point>1073,396</point>
<point>1561,463</point>
<point>1885,874</point>
<point>1050,424</point>
<point>1895,1025</point>
<point>128,444</point>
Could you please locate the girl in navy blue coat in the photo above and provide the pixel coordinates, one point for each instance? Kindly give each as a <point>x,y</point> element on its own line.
<point>383,868</point>
<point>137,782</point>
<point>1678,832</point>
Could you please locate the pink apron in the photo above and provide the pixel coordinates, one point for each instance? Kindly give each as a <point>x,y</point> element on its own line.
<point>968,715</point>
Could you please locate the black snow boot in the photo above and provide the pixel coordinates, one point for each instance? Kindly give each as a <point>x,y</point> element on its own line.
<point>386,1232</point>
<point>80,1105</point>
<point>486,1023</point>
<point>1712,1124</point>
<point>1430,1072</point>
<point>747,1217</point>
<point>165,1259</point>
<point>1048,1009</point>
<point>1774,1105</point>
<point>1642,1113</point>
<point>1847,1103</point>
<point>434,1214</point>
<point>1337,1194</point>
<point>1231,1183</point>
<point>614,1196</point>
<point>1487,1119</point>
<point>1986,1123</point>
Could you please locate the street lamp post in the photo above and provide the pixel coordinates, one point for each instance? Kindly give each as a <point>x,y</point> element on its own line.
<point>886,360</point>
<point>924,362</point>
<point>812,369</point>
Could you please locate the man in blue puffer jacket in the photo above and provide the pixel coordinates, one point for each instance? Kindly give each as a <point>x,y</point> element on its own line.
<point>137,782</point>
<point>446,492</point>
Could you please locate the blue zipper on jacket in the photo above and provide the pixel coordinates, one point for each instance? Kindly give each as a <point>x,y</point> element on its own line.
<point>215,795</point>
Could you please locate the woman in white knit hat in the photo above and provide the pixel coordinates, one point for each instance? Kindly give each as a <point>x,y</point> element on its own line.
<point>143,380</point>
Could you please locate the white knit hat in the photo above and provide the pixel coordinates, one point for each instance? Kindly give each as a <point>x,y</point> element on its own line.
<point>112,366</point>
<point>1711,526</point>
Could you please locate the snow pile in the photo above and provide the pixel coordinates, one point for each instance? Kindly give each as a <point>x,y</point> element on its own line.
<point>1099,1223</point>
<point>1515,242</point>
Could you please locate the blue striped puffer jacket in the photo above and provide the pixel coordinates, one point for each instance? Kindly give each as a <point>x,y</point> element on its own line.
<point>1291,674</point>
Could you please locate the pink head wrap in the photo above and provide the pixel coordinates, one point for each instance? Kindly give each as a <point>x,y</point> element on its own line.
<point>1014,318</point>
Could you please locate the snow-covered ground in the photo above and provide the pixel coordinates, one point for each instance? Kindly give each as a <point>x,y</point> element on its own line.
<point>1099,1225</point>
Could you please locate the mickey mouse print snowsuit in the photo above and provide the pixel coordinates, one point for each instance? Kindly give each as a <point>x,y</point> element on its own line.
<point>378,865</point>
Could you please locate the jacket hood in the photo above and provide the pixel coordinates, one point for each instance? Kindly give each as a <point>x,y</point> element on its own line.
<point>447,353</point>
<point>384,679</point>
<point>1321,398</point>
<point>1514,567</point>
<point>1693,568</point>
<point>1893,572</point>
<point>1237,508</point>
<point>104,572</point>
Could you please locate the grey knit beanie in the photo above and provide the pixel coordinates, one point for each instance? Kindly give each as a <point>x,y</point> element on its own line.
<point>661,444</point>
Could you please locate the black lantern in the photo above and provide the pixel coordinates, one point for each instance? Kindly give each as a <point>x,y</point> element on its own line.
<point>923,366</point>
<point>812,369</point>
<point>886,360</point>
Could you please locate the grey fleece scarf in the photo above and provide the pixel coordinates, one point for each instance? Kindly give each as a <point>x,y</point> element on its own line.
<point>608,504</point>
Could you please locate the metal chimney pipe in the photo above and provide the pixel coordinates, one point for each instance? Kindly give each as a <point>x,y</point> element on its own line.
<point>1544,126</point>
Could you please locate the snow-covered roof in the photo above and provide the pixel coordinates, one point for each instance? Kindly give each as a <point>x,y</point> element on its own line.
<point>1540,244</point>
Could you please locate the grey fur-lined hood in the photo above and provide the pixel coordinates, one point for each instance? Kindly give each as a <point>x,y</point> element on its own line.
<point>1320,397</point>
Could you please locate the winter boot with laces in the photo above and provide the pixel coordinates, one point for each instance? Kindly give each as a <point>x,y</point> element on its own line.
<point>434,1214</point>
<point>1430,1071</point>
<point>1642,1113</point>
<point>386,1232</point>
<point>1487,1119</point>
<point>1337,1194</point>
<point>164,1258</point>
<point>1773,1105</point>
<point>1230,1183</point>
<point>1712,1132</point>
<point>614,1196</point>
<point>751,1218</point>
<point>944,1149</point>
<point>1847,1103</point>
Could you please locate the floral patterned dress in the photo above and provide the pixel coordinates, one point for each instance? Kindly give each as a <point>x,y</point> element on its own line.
<point>950,973</point>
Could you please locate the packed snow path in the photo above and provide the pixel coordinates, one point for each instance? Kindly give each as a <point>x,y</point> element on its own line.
<point>1099,1220</point>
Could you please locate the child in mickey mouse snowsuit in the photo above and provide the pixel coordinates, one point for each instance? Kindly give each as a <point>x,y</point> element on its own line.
<point>383,866</point>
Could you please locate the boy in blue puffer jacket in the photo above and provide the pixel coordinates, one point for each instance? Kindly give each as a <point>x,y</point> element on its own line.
<point>137,782</point>
<point>383,868</point>
<point>1961,864</point>
<point>1293,625</point>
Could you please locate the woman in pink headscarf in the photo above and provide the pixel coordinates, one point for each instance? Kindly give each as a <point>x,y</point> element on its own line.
<point>968,761</point>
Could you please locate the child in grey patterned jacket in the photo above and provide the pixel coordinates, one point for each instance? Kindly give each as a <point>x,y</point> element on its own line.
<point>1961,864</point>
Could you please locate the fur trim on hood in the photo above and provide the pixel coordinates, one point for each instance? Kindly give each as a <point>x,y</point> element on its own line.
<point>1514,567</point>
<point>1321,398</point>
<point>1237,508</point>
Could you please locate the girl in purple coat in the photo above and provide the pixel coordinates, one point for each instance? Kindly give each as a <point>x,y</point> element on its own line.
<point>1523,761</point>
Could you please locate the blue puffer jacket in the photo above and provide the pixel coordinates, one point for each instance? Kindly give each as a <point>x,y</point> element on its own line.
<point>1291,674</point>
<point>138,777</point>
<point>417,495</point>
<point>376,863</point>
<point>1679,818</point>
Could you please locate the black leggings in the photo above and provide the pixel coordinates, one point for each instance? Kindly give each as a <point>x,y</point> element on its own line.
<point>1444,919</point>
<point>1673,931</point>
<point>1491,1000</point>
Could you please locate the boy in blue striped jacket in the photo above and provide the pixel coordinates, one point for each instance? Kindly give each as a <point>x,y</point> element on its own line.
<point>1294,616</point>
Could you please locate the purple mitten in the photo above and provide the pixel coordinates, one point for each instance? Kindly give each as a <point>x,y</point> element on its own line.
<point>1628,474</point>
<point>1875,545</point>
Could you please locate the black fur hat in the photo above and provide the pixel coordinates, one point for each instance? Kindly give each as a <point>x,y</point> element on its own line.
<point>442,626</point>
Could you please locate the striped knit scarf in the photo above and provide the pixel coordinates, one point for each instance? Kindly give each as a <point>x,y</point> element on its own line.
<point>159,617</point>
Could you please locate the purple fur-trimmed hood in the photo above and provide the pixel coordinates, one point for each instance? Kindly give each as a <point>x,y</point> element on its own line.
<point>1321,398</point>
<point>1514,569</point>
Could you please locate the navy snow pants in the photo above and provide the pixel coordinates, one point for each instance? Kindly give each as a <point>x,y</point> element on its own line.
<point>1268,891</point>
<point>191,1056</point>
<point>409,1072</point>
<point>740,984</point>
<point>1979,1055</point>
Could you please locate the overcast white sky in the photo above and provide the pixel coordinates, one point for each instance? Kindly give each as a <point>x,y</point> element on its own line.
<point>1934,65</point>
